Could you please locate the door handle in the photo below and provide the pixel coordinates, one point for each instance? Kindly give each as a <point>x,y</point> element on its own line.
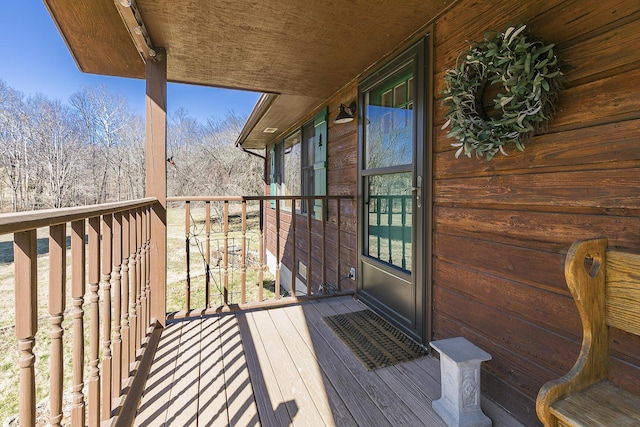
<point>418,191</point>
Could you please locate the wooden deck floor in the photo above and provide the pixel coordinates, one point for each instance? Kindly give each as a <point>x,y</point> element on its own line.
<point>283,367</point>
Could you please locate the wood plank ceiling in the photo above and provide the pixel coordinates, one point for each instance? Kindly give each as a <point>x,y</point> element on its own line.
<point>301,50</point>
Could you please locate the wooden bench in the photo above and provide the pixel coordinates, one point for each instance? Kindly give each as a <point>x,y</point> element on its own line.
<point>605,285</point>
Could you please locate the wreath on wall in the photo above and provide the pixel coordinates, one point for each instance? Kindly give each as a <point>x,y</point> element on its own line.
<point>526,76</point>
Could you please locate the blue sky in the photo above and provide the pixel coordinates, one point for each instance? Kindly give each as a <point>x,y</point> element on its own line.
<point>34,59</point>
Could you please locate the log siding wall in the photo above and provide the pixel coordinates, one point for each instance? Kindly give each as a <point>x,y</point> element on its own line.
<point>501,229</point>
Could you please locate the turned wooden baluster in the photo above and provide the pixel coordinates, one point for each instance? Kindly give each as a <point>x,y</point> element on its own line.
<point>148,283</point>
<point>126,332</point>
<point>243,261</point>
<point>323,206</point>
<point>262,245</point>
<point>207,279</point>
<point>57,294</point>
<point>309,259</point>
<point>225,256</point>
<point>133,286</point>
<point>25,258</point>
<point>107,371</point>
<point>139,278</point>
<point>144,322</point>
<point>187,227</point>
<point>117,307</point>
<point>277,284</point>
<point>294,266</point>
<point>94,322</point>
<point>77,294</point>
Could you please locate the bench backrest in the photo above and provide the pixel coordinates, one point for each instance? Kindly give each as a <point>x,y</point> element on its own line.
<point>622,290</point>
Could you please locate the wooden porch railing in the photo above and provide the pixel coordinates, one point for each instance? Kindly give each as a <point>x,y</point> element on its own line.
<point>288,226</point>
<point>118,239</point>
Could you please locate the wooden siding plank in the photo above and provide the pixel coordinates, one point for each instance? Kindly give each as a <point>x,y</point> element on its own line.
<point>183,401</point>
<point>157,392</point>
<point>615,189</point>
<point>267,393</point>
<point>615,142</point>
<point>212,396</point>
<point>536,268</point>
<point>552,232</point>
<point>240,400</point>
<point>527,339</point>
<point>549,311</point>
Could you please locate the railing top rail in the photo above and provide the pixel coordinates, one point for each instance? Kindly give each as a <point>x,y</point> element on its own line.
<point>248,198</point>
<point>21,221</point>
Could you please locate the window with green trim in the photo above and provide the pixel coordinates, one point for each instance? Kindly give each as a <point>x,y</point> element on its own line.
<point>298,163</point>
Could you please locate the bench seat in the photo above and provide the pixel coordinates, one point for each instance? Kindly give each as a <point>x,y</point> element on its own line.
<point>601,405</point>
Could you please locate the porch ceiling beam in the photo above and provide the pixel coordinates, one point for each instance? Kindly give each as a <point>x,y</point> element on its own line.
<point>132,19</point>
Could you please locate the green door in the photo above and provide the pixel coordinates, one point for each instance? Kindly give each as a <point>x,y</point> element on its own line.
<point>391,211</point>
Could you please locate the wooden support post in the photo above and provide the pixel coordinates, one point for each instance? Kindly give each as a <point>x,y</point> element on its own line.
<point>26,276</point>
<point>94,322</point>
<point>77,293</point>
<point>156,178</point>
<point>57,300</point>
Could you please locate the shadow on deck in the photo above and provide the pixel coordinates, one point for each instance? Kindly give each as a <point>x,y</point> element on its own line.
<point>280,367</point>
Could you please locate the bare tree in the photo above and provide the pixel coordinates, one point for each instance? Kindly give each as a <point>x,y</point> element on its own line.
<point>13,143</point>
<point>55,131</point>
<point>104,115</point>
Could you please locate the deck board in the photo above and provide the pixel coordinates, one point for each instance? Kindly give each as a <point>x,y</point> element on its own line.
<point>281,367</point>
<point>212,396</point>
<point>240,401</point>
<point>183,399</point>
<point>155,402</point>
<point>266,391</point>
<point>328,399</point>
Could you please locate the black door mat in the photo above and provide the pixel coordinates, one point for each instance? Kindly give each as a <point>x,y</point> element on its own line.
<point>372,340</point>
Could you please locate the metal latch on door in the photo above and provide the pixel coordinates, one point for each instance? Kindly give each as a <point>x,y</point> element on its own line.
<point>418,190</point>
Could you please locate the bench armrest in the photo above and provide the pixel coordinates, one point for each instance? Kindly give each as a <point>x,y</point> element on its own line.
<point>585,275</point>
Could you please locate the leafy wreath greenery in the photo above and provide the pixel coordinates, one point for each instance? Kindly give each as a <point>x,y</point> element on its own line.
<point>529,74</point>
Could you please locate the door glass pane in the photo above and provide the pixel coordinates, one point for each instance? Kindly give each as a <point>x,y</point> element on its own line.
<point>389,122</point>
<point>389,219</point>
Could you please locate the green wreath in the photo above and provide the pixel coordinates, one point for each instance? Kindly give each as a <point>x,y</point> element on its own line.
<point>529,74</point>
